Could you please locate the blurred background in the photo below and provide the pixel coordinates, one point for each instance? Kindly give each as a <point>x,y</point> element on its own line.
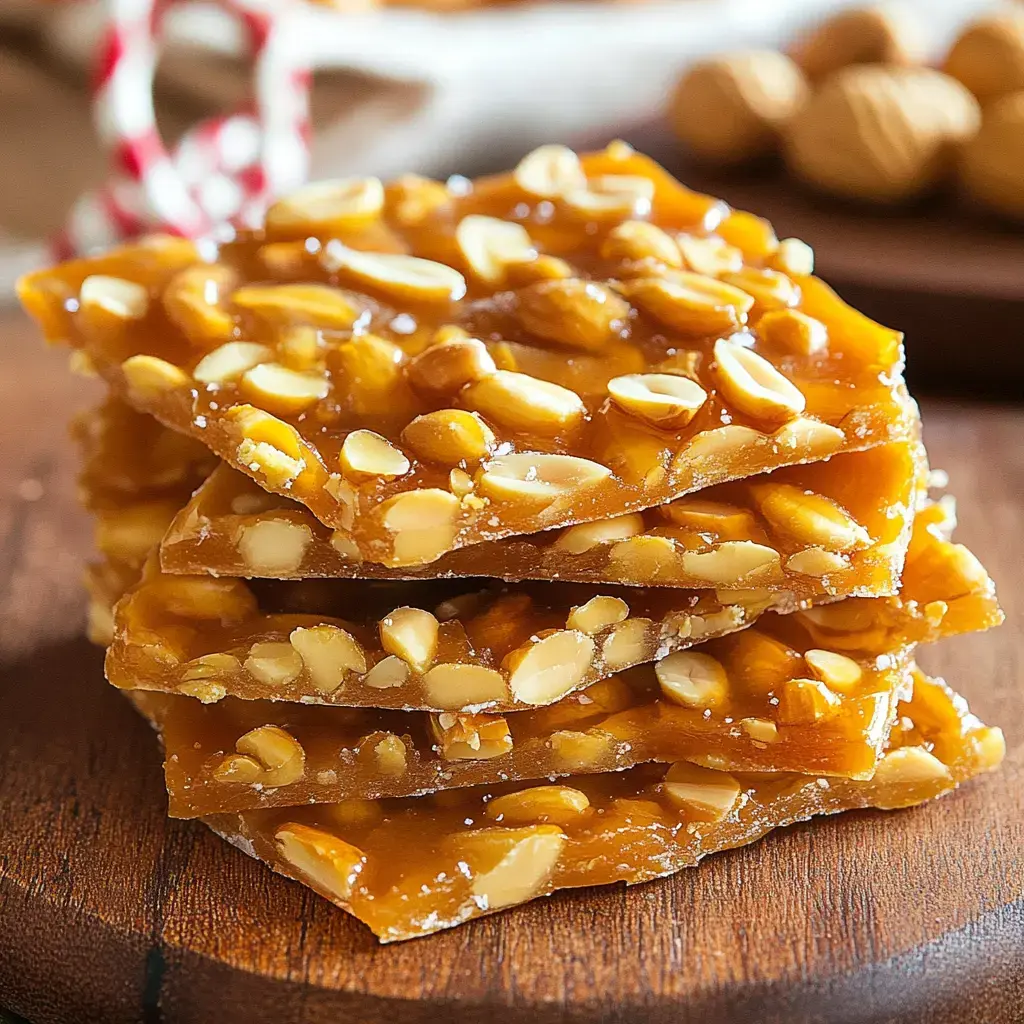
<point>875,175</point>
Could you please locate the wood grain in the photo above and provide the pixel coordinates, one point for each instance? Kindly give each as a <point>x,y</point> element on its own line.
<point>110,912</point>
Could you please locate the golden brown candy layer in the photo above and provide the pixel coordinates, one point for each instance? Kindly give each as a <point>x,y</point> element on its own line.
<point>428,366</point>
<point>410,867</point>
<point>456,647</point>
<point>429,645</point>
<point>807,692</point>
<point>128,457</point>
<point>838,527</point>
<point>135,477</point>
<point>760,700</point>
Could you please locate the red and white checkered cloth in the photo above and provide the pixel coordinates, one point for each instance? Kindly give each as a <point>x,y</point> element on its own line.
<point>225,170</point>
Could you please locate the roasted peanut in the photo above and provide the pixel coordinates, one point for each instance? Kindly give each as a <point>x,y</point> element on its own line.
<point>444,368</point>
<point>771,288</point>
<point>760,730</point>
<point>457,686</point>
<point>542,672</point>
<point>113,296</point>
<point>268,756</point>
<point>573,312</point>
<point>710,256</point>
<point>411,634</point>
<point>793,331</point>
<point>910,766</point>
<point>488,245</point>
<point>326,207</point>
<point>289,304</point>
<point>560,805</point>
<point>366,454</point>
<point>575,540</point>
<point>282,390</point>
<point>274,664</point>
<point>509,866</point>
<point>665,400</point>
<point>636,240</point>
<point>837,671</point>
<point>449,436</point>
<point>521,402</point>
<point>470,737</point>
<point>704,794</point>
<point>535,477</point>
<point>692,679</point>
<point>612,196</point>
<point>423,524</point>
<point>577,751</point>
<point>329,654</point>
<point>387,673</point>
<point>327,862</point>
<point>194,301</point>
<point>273,547</point>
<point>751,384</point>
<point>732,562</point>
<point>148,378</point>
<point>550,172</point>
<point>690,303</point>
<point>230,361</point>
<point>406,277</point>
<point>627,644</point>
<point>597,614</point>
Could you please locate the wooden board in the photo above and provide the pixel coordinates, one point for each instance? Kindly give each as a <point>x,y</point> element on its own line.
<point>110,912</point>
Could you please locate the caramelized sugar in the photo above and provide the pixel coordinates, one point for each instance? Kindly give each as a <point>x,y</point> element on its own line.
<point>811,692</point>
<point>579,338</point>
<point>410,867</point>
<point>835,528</point>
<point>460,646</point>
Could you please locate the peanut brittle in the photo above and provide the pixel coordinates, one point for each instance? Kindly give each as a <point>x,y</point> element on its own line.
<point>946,590</point>
<point>766,698</point>
<point>760,700</point>
<point>430,366</point>
<point>135,476</point>
<point>449,646</point>
<point>837,527</point>
<point>844,534</point>
<point>411,867</point>
<point>428,645</point>
<point>129,458</point>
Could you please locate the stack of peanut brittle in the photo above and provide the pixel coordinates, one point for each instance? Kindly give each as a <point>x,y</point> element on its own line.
<point>465,542</point>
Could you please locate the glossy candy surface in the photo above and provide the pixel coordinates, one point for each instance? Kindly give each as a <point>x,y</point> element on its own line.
<point>427,367</point>
<point>410,867</point>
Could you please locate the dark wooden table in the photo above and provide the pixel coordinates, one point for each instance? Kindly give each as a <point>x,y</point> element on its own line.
<point>111,912</point>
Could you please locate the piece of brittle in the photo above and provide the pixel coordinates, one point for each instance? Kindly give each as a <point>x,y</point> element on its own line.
<point>835,528</point>
<point>428,367</point>
<point>761,700</point>
<point>411,867</point>
<point>813,691</point>
<point>136,475</point>
<point>463,646</point>
<point>428,645</point>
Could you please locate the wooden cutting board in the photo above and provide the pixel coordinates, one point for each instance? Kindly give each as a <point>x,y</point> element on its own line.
<point>110,912</point>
